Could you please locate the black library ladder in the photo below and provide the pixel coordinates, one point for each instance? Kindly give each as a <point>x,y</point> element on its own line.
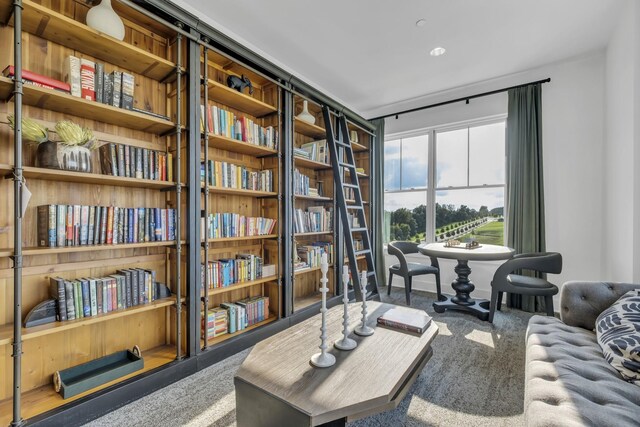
<point>352,214</point>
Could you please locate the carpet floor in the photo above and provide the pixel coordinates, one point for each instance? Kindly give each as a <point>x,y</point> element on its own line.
<point>475,378</point>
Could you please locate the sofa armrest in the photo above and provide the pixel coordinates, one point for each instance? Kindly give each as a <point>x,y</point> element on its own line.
<point>582,302</point>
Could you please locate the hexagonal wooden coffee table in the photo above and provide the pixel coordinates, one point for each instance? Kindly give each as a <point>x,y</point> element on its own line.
<point>277,386</point>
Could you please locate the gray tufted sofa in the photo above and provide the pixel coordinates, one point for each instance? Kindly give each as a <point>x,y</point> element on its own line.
<point>567,380</point>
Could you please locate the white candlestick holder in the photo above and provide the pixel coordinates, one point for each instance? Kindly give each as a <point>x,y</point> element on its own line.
<point>345,343</point>
<point>364,330</point>
<point>323,359</point>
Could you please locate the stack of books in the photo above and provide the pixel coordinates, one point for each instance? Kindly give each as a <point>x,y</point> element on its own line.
<point>315,150</point>
<point>86,297</point>
<point>216,322</point>
<point>227,272</point>
<point>227,124</point>
<point>315,219</point>
<point>136,162</point>
<point>76,225</point>
<point>236,225</point>
<point>232,317</point>
<point>38,80</point>
<point>311,254</point>
<point>229,175</point>
<point>299,152</point>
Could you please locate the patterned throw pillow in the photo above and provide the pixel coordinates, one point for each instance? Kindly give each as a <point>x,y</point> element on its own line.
<point>618,333</point>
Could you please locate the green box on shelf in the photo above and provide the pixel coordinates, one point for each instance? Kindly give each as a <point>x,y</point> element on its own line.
<point>78,379</point>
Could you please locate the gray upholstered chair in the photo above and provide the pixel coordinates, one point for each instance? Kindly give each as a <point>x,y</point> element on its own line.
<point>505,281</point>
<point>407,270</point>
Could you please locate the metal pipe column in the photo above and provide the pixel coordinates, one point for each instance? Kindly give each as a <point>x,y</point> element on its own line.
<point>205,241</point>
<point>17,205</point>
<point>178,178</point>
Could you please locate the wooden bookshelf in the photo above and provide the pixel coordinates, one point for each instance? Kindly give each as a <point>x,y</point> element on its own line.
<point>313,198</point>
<point>307,300</point>
<point>241,285</point>
<point>44,398</point>
<point>239,239</point>
<point>313,233</point>
<point>237,100</point>
<point>306,128</point>
<point>311,164</point>
<point>224,337</point>
<point>237,146</point>
<point>308,270</point>
<point>61,102</point>
<point>34,251</point>
<point>241,192</point>
<point>60,29</point>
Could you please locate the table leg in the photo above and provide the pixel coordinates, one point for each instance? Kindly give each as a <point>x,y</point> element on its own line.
<point>462,301</point>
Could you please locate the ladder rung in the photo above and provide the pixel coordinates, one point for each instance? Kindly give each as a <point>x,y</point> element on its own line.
<point>351,185</point>
<point>359,229</point>
<point>342,144</point>
<point>362,252</point>
<point>355,207</point>
<point>347,165</point>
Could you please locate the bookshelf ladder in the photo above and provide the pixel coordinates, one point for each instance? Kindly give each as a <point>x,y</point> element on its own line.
<point>338,164</point>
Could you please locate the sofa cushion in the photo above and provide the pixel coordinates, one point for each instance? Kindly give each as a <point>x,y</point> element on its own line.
<point>569,383</point>
<point>618,334</point>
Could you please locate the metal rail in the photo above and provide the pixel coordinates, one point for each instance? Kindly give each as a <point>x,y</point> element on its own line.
<point>17,207</point>
<point>205,283</point>
<point>178,178</point>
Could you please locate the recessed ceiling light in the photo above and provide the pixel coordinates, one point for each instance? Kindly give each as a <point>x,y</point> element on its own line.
<point>438,51</point>
<point>421,22</point>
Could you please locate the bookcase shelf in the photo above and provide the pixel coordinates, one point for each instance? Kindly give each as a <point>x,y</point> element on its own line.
<point>307,300</point>
<point>6,332</point>
<point>45,398</point>
<point>53,26</point>
<point>234,99</point>
<point>241,285</point>
<point>224,337</point>
<point>239,239</point>
<point>358,147</point>
<point>61,102</point>
<point>88,248</point>
<point>314,198</point>
<point>241,192</point>
<point>313,233</point>
<point>240,147</point>
<point>88,178</point>
<point>311,164</point>
<point>305,128</point>
<point>308,270</point>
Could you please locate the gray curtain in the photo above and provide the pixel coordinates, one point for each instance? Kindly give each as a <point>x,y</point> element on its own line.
<point>377,206</point>
<point>525,194</point>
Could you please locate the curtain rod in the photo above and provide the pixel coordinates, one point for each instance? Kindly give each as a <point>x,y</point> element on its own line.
<point>465,98</point>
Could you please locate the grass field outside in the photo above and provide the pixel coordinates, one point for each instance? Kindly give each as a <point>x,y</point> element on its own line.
<point>491,233</point>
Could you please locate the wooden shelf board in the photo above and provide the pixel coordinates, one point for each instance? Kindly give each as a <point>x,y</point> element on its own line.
<point>234,239</point>
<point>61,102</point>
<point>6,332</point>
<point>55,27</point>
<point>308,270</point>
<point>241,285</point>
<point>358,258</point>
<point>313,233</point>
<point>88,248</point>
<point>43,399</point>
<point>241,192</point>
<point>88,178</point>
<point>237,100</point>
<point>311,164</point>
<point>241,147</point>
<point>305,128</point>
<point>216,340</point>
<point>358,147</point>
<point>313,198</point>
<point>307,300</point>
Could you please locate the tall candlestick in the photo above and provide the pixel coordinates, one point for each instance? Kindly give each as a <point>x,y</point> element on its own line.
<point>345,343</point>
<point>364,330</point>
<point>323,359</point>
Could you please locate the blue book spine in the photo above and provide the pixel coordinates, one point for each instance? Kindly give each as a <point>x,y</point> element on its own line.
<point>158,225</point>
<point>86,299</point>
<point>131,225</point>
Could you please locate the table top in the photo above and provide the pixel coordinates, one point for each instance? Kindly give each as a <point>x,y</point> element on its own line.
<point>483,253</point>
<point>362,379</point>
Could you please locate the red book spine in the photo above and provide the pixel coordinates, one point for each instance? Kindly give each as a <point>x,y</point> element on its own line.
<point>110,225</point>
<point>38,78</point>
<point>87,80</point>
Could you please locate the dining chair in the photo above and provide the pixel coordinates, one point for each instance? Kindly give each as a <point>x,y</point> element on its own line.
<point>407,269</point>
<point>505,281</point>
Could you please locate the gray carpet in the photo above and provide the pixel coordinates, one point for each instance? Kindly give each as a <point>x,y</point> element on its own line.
<point>475,378</point>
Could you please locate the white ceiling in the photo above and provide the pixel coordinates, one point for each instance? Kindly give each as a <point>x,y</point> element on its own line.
<point>369,53</point>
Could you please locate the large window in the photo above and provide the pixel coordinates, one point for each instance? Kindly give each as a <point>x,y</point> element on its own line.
<point>465,192</point>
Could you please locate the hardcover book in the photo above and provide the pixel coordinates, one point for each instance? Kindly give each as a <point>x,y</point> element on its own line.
<point>57,292</point>
<point>413,321</point>
<point>68,295</point>
<point>98,78</point>
<point>38,79</point>
<point>127,91</point>
<point>87,82</point>
<point>117,89</point>
<point>71,75</point>
<point>47,226</point>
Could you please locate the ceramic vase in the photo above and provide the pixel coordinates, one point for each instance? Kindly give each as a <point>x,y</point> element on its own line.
<point>53,155</point>
<point>104,19</point>
<point>305,115</point>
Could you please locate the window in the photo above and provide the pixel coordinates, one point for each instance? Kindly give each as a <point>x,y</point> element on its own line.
<point>465,192</point>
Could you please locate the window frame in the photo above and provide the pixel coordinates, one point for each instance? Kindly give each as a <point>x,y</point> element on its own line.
<point>432,143</point>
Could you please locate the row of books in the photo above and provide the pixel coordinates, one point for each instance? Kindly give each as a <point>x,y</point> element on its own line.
<point>236,225</point>
<point>225,123</point>
<point>311,254</point>
<point>301,184</point>
<point>229,175</point>
<point>227,272</point>
<point>353,220</point>
<point>86,297</point>
<point>236,316</point>
<point>76,225</point>
<point>315,150</point>
<point>136,162</point>
<point>314,219</point>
